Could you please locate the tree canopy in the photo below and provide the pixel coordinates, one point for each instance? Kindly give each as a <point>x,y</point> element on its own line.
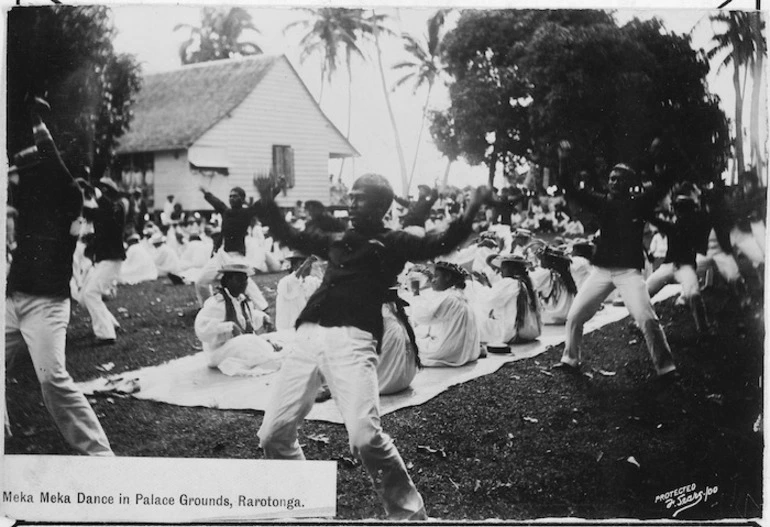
<point>524,79</point>
<point>65,54</point>
<point>220,36</point>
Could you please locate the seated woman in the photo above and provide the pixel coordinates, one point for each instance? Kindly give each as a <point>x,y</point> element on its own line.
<point>509,311</point>
<point>139,265</point>
<point>554,285</point>
<point>446,327</point>
<point>226,326</point>
<point>398,362</point>
<point>293,290</point>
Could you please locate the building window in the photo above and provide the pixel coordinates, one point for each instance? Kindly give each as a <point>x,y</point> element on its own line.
<point>283,163</point>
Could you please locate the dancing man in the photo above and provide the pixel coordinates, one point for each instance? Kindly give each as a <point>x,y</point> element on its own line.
<point>618,260</point>
<point>236,220</point>
<point>339,329</point>
<point>37,303</point>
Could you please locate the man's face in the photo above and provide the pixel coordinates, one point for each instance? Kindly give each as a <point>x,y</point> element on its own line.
<point>364,208</point>
<point>236,200</point>
<point>619,183</point>
<point>235,283</point>
<point>441,280</point>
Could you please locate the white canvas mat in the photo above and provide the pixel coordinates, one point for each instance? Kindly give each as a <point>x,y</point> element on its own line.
<point>188,381</point>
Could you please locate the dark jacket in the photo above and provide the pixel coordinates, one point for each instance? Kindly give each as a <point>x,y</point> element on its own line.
<point>621,221</point>
<point>418,211</point>
<point>48,201</point>
<point>235,223</point>
<point>363,265</point>
<point>109,224</point>
<point>684,237</point>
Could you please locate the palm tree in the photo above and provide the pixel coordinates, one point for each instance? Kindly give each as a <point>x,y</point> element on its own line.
<point>375,27</point>
<point>760,49</point>
<point>219,36</point>
<point>424,68</point>
<point>332,32</point>
<point>736,39</point>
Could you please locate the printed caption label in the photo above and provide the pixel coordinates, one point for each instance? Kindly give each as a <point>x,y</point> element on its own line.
<point>65,488</point>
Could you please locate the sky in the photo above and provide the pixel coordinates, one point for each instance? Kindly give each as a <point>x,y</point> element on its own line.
<point>147,31</point>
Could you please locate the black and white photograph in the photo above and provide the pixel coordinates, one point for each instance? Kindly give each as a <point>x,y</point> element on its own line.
<point>373,263</point>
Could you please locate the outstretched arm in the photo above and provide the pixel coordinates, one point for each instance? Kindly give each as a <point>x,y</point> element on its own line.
<point>401,201</point>
<point>269,214</point>
<point>566,175</point>
<point>214,201</point>
<point>416,248</point>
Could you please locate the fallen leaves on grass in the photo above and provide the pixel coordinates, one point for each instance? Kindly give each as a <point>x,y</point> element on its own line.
<point>716,398</point>
<point>439,451</point>
<point>633,461</point>
<point>607,373</point>
<point>107,366</point>
<point>319,438</point>
<point>530,419</point>
<point>346,461</point>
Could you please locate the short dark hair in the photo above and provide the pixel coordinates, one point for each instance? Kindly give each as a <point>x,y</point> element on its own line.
<point>377,186</point>
<point>239,191</point>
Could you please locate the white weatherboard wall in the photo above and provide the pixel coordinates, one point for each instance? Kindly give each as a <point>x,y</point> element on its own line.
<point>279,111</point>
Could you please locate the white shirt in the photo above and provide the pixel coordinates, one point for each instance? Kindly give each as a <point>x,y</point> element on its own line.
<point>210,325</point>
<point>446,323</point>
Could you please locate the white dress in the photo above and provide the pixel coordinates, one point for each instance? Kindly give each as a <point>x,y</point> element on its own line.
<point>291,296</point>
<point>555,299</point>
<point>139,265</point>
<point>448,334</point>
<point>497,310</point>
<point>244,354</point>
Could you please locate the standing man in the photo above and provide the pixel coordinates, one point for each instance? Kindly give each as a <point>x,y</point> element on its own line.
<point>418,211</point>
<point>109,220</point>
<point>618,260</point>
<point>236,220</point>
<point>37,309</point>
<point>339,330</point>
<point>679,264</point>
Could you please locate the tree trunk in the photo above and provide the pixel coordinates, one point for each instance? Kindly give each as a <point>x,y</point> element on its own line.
<point>399,150</point>
<point>449,162</point>
<point>492,167</point>
<point>350,108</point>
<point>757,74</point>
<point>738,118</point>
<point>323,80</point>
<point>419,138</point>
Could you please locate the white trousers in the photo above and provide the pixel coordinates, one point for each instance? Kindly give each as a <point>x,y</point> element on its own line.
<point>668,273</point>
<point>347,359</point>
<point>39,325</point>
<point>633,290</point>
<point>98,282</point>
<point>748,244</point>
<point>208,276</point>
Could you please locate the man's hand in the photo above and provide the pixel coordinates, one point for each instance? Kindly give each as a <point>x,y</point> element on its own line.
<point>237,330</point>
<point>565,149</point>
<point>202,189</point>
<point>267,188</point>
<point>481,195</point>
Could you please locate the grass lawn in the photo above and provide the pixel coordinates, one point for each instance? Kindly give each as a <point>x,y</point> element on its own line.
<point>519,444</point>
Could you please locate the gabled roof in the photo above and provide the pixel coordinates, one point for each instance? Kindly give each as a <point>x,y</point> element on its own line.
<point>175,108</point>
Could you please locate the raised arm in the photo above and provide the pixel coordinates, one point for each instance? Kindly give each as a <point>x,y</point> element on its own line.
<point>269,214</point>
<point>664,226</point>
<point>566,175</point>
<point>214,201</point>
<point>416,248</point>
<point>401,201</point>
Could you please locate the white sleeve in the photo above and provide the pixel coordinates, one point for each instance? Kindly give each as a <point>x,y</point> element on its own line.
<point>501,293</point>
<point>290,287</point>
<point>209,322</point>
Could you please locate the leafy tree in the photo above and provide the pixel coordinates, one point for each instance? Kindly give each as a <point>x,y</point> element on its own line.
<point>422,69</point>
<point>444,137</point>
<point>526,79</point>
<point>66,55</point>
<point>737,40</point>
<point>220,36</point>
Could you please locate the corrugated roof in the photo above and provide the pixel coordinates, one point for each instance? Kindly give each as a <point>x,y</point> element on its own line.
<point>174,108</point>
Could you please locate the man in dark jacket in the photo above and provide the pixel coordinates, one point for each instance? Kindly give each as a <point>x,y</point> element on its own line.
<point>109,220</point>
<point>37,309</point>
<point>417,211</point>
<point>618,260</point>
<point>339,329</point>
<point>236,220</point>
